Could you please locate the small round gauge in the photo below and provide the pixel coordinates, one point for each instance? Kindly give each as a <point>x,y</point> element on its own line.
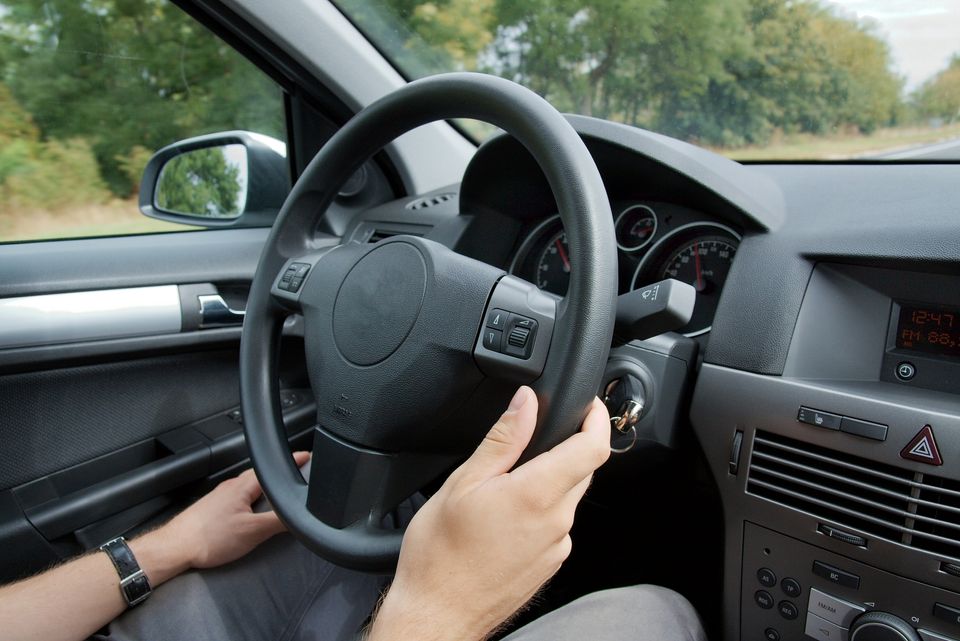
<point>635,227</point>
<point>553,265</point>
<point>699,254</point>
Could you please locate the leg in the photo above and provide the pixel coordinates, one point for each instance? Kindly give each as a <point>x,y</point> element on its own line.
<point>279,592</point>
<point>646,612</point>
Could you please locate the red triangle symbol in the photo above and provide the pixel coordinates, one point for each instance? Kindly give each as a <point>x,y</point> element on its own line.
<point>923,448</point>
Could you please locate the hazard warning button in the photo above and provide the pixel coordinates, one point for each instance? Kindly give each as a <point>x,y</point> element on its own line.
<point>923,448</point>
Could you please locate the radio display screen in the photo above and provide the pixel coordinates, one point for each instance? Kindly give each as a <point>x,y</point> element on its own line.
<point>929,329</point>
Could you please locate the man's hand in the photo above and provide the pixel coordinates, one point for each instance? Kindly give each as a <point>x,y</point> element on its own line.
<point>219,528</point>
<point>222,527</point>
<point>490,538</point>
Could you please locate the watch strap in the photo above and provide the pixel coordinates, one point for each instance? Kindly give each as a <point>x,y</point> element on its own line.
<point>134,585</point>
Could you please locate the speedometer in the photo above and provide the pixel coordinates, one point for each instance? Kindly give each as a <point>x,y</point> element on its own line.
<point>699,254</point>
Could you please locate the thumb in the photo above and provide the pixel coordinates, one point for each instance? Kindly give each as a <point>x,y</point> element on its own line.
<point>504,443</point>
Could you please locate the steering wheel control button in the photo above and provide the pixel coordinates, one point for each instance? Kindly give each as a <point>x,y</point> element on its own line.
<point>771,634</point>
<point>791,587</point>
<point>493,339</point>
<point>497,319</point>
<point>836,575</point>
<point>520,334</point>
<point>764,599</point>
<point>833,609</point>
<point>823,630</point>
<point>946,613</point>
<point>766,577</point>
<point>866,429</point>
<point>293,276</point>
<point>788,610</point>
<point>906,371</point>
<point>824,420</point>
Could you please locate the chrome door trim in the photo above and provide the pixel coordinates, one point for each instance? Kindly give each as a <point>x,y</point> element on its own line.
<point>83,316</point>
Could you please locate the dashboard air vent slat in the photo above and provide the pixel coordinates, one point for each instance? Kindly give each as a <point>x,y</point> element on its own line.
<point>430,201</point>
<point>911,508</point>
<point>380,234</point>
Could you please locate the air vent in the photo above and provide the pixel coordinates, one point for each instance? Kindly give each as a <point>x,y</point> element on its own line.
<point>430,201</point>
<point>916,509</point>
<point>380,234</point>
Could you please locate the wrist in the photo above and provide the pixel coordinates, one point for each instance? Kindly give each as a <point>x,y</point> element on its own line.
<point>161,557</point>
<point>403,616</point>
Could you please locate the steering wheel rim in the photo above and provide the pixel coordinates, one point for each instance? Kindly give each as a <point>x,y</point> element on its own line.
<point>581,336</point>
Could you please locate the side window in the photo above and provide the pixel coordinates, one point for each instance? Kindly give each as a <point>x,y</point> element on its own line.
<point>90,89</point>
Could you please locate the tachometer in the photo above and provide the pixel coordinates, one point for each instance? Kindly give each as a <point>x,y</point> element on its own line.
<point>699,254</point>
<point>553,265</point>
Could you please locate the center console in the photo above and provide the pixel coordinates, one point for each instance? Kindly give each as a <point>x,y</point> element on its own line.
<point>839,479</point>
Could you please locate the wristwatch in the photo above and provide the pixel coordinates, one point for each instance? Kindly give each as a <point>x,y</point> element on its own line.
<point>134,585</point>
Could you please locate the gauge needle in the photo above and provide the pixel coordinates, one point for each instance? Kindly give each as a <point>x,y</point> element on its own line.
<point>563,256</point>
<point>696,258</point>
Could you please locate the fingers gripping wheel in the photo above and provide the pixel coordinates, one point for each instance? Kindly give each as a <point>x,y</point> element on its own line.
<point>406,379</point>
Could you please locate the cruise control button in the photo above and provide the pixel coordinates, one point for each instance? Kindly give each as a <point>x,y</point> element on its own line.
<point>492,339</point>
<point>788,610</point>
<point>764,599</point>
<point>791,587</point>
<point>833,609</point>
<point>766,577</point>
<point>823,630</point>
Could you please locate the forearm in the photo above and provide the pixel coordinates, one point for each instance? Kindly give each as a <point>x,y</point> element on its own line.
<point>396,620</point>
<point>74,600</point>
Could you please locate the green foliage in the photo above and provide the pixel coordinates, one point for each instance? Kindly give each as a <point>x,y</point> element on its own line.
<point>940,96</point>
<point>720,72</point>
<point>200,183</point>
<point>123,74</point>
<point>36,174</point>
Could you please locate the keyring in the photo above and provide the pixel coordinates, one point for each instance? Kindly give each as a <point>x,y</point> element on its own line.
<point>633,441</point>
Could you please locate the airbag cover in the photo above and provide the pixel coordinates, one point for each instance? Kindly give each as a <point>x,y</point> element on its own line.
<point>378,303</point>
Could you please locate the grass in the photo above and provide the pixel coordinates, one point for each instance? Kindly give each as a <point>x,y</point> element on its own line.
<point>114,218</point>
<point>844,146</point>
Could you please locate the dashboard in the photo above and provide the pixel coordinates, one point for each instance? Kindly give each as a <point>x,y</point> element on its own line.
<point>826,403</point>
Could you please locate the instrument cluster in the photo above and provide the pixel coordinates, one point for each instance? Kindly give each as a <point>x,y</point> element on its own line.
<point>655,241</point>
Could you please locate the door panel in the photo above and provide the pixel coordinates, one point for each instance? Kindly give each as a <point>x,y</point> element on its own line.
<point>102,437</point>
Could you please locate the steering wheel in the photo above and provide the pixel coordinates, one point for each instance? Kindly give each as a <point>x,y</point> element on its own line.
<point>413,350</point>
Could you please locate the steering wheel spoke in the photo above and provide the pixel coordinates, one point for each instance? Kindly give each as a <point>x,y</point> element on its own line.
<point>517,328</point>
<point>353,486</point>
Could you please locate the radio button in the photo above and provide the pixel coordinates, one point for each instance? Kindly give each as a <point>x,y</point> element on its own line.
<point>836,575</point>
<point>832,609</point>
<point>946,613</point>
<point>823,630</point>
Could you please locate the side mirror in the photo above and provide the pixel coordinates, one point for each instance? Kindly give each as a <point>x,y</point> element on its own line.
<point>230,179</point>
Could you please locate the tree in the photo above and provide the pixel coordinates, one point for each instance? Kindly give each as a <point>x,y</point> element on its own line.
<point>201,183</point>
<point>128,73</point>
<point>939,97</point>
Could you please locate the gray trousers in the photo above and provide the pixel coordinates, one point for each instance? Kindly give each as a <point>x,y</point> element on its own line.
<point>283,592</point>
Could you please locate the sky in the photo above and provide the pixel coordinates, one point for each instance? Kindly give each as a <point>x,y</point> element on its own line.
<point>922,33</point>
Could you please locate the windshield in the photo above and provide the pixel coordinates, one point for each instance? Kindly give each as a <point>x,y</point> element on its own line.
<point>752,79</point>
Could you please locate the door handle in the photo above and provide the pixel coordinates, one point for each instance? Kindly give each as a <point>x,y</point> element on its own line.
<point>214,312</point>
